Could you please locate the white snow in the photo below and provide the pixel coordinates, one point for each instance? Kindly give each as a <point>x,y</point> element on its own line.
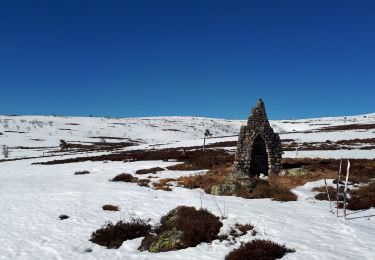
<point>33,196</point>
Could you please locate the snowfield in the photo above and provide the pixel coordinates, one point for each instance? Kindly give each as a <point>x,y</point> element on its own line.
<point>33,196</point>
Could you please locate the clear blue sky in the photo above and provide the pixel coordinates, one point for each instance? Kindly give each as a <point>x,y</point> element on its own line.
<point>180,57</point>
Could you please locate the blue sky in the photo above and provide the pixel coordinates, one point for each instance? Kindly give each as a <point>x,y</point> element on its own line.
<point>202,58</point>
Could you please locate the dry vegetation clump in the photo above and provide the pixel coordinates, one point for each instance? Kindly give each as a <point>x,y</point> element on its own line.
<point>362,198</point>
<point>143,182</point>
<point>81,172</point>
<point>111,207</point>
<point>322,195</point>
<point>125,177</point>
<point>242,229</point>
<point>259,249</point>
<point>181,228</point>
<point>151,170</point>
<point>183,167</point>
<point>264,189</point>
<point>206,181</point>
<point>218,176</point>
<point>163,184</point>
<point>359,199</point>
<point>361,170</point>
<point>63,216</point>
<point>113,235</point>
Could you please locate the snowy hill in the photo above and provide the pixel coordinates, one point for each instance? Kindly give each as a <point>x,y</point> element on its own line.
<point>352,136</point>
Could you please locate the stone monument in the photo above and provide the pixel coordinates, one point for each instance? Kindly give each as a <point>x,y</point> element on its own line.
<point>259,148</point>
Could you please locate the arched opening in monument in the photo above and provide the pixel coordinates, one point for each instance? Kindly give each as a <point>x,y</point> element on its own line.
<point>259,158</point>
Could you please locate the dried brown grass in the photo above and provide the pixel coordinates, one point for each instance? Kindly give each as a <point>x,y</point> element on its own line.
<point>163,184</point>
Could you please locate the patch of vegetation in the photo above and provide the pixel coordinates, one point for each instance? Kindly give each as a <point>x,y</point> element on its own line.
<point>208,180</point>
<point>163,184</point>
<point>264,189</point>
<point>111,207</point>
<point>208,159</point>
<point>322,195</point>
<point>362,198</point>
<point>181,228</point>
<point>259,249</point>
<point>63,216</point>
<point>125,177</point>
<point>151,170</point>
<point>143,182</point>
<point>359,199</point>
<point>216,182</point>
<point>242,229</point>
<point>81,172</point>
<point>113,235</point>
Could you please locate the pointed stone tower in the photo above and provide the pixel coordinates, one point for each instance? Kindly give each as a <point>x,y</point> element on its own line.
<point>259,147</point>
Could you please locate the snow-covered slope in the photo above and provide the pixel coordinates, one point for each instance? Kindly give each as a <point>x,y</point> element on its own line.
<point>37,135</point>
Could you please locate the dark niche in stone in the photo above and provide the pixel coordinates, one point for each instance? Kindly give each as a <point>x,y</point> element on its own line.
<point>259,147</point>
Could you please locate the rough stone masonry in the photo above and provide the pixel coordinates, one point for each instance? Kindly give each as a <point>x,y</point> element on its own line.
<point>259,148</point>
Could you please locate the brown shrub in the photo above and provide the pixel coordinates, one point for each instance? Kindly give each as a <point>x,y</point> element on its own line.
<point>362,198</point>
<point>241,230</point>
<point>189,227</point>
<point>151,170</point>
<point>111,207</point>
<point>264,189</point>
<point>125,177</point>
<point>143,182</point>
<point>81,172</point>
<point>163,184</point>
<point>259,249</point>
<point>322,195</point>
<point>183,167</point>
<point>112,236</point>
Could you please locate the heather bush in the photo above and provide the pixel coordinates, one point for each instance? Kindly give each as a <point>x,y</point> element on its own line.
<point>259,250</point>
<point>113,235</point>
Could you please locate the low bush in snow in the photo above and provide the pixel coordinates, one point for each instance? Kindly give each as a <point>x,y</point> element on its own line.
<point>63,216</point>
<point>151,170</point>
<point>163,184</point>
<point>322,195</point>
<point>182,227</point>
<point>260,250</point>
<point>110,207</point>
<point>143,182</point>
<point>362,198</point>
<point>81,172</point>
<point>125,177</point>
<point>113,235</point>
<point>242,229</point>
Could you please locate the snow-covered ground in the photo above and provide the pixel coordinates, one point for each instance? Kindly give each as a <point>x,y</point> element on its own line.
<point>28,136</point>
<point>33,196</point>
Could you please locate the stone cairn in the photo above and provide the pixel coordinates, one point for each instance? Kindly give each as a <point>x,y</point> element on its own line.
<point>257,127</point>
<point>257,133</point>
